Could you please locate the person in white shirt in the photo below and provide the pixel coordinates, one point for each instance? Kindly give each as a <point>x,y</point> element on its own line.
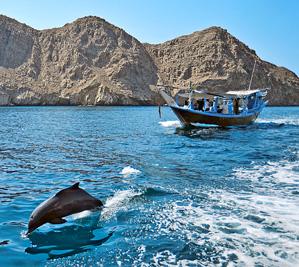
<point>207,105</point>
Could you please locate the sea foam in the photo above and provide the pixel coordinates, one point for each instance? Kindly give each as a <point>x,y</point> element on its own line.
<point>282,171</point>
<point>268,222</point>
<point>170,123</point>
<point>126,171</point>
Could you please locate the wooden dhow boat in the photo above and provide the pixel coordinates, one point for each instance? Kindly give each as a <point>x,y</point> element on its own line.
<point>232,108</point>
<point>223,109</point>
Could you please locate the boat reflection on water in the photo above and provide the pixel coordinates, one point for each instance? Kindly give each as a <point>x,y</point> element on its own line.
<point>66,241</point>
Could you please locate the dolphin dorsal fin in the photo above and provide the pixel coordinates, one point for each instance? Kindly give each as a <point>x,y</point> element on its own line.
<point>75,186</point>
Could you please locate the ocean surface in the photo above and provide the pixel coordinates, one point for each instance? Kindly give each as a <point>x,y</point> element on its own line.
<point>173,196</point>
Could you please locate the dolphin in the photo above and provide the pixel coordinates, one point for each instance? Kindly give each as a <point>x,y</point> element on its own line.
<point>66,202</point>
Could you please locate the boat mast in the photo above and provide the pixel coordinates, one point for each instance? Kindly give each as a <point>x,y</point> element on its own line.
<point>252,75</point>
<point>190,92</point>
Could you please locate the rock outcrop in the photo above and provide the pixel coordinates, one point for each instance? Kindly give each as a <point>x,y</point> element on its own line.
<point>92,62</point>
<point>215,60</point>
<point>87,62</point>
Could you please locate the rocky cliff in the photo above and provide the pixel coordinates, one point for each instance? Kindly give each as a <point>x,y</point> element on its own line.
<point>215,60</point>
<point>87,62</point>
<point>91,62</point>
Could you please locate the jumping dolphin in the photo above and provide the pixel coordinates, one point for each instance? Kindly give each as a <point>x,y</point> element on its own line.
<point>66,202</point>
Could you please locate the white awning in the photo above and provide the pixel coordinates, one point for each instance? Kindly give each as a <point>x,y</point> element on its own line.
<point>243,92</point>
<point>240,93</point>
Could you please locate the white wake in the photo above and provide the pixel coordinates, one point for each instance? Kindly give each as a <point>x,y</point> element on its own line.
<point>170,123</point>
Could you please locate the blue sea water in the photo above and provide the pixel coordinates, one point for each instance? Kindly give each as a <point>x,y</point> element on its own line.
<point>173,196</point>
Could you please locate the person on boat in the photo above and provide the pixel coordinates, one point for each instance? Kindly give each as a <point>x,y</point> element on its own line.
<point>236,105</point>
<point>186,103</point>
<point>225,107</point>
<point>220,105</point>
<point>195,105</point>
<point>230,106</point>
<point>200,104</point>
<point>215,105</point>
<point>245,104</point>
<point>251,101</point>
<point>207,105</point>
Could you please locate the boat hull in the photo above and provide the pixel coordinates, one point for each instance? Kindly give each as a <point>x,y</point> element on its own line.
<point>188,117</point>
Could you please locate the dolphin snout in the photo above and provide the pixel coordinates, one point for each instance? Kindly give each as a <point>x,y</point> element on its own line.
<point>32,225</point>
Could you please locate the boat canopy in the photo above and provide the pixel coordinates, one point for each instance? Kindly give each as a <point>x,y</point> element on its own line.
<point>240,94</point>
<point>201,93</point>
<point>243,92</point>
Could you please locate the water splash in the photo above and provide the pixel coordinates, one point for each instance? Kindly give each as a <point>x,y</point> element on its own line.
<point>117,202</point>
<point>127,171</point>
<point>170,123</point>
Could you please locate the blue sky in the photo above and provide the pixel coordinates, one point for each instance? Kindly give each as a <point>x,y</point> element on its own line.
<point>270,27</point>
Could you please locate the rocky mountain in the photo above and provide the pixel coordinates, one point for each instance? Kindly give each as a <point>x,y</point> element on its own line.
<point>215,60</point>
<point>92,62</point>
<point>87,62</point>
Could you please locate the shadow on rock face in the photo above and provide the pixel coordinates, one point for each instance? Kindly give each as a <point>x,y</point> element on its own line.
<point>66,241</point>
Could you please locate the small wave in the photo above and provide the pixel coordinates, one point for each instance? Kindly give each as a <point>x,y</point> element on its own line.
<point>280,121</point>
<point>170,123</point>
<point>126,171</point>
<point>155,192</point>
<point>117,202</point>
